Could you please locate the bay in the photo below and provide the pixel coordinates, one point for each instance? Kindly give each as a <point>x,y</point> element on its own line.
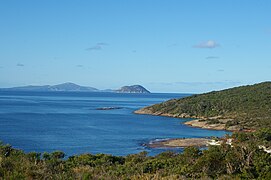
<point>75,122</point>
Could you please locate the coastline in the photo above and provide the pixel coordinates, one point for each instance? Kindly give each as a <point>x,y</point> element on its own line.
<point>197,122</point>
<point>179,143</point>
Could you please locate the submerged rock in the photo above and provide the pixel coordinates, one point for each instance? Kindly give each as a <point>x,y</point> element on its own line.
<point>108,108</point>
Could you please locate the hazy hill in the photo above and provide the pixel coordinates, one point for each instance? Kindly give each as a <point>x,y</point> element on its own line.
<point>132,89</point>
<point>245,107</point>
<point>59,87</point>
<point>77,88</point>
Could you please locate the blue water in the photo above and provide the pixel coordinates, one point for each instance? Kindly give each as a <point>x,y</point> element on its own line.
<point>69,121</point>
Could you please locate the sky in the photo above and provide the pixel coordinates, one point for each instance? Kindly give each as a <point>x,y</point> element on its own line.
<point>184,46</point>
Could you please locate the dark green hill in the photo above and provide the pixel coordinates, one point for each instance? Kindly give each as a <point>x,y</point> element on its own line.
<point>245,107</point>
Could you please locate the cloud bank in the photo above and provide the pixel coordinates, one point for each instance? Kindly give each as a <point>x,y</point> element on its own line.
<point>194,86</point>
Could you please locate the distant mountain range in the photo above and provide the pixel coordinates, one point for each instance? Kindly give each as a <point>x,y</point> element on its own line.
<point>71,87</point>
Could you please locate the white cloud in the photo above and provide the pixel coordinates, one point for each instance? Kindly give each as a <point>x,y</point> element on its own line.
<point>94,48</point>
<point>207,44</point>
<point>97,47</point>
<point>20,65</point>
<point>102,44</point>
<point>212,57</point>
<point>194,86</point>
<point>172,45</point>
<point>208,83</point>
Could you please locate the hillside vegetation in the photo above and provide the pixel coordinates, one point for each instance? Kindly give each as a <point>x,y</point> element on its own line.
<point>244,160</point>
<point>246,107</point>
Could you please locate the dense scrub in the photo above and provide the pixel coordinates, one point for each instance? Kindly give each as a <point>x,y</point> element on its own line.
<point>243,160</point>
<point>248,106</point>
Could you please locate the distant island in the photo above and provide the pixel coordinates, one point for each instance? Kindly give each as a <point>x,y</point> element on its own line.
<point>59,87</point>
<point>133,89</point>
<point>245,108</point>
<point>71,87</point>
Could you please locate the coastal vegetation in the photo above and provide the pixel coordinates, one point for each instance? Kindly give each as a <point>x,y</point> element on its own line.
<point>248,156</point>
<point>243,160</point>
<point>240,108</point>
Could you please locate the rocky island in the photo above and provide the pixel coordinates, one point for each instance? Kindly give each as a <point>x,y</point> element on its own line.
<point>132,89</point>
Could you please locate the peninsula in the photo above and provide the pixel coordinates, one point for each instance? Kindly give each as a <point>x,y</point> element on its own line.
<point>245,108</point>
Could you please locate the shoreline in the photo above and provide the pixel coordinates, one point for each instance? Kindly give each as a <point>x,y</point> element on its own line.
<point>198,122</point>
<point>179,143</point>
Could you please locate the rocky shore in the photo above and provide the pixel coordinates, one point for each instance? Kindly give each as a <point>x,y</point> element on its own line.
<point>108,108</point>
<point>187,142</point>
<point>205,125</point>
<point>214,123</point>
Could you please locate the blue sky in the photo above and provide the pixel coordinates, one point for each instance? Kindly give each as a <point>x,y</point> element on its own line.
<point>166,46</point>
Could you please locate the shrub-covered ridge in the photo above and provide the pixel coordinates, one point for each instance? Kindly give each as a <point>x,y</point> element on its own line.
<point>245,107</point>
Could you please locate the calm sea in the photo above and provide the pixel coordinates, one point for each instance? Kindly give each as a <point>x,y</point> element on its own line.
<point>70,122</point>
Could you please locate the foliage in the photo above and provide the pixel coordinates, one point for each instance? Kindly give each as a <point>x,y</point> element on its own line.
<point>249,107</point>
<point>242,161</point>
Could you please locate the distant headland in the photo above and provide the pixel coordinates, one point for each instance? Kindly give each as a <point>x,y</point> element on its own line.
<point>71,87</point>
<point>245,108</point>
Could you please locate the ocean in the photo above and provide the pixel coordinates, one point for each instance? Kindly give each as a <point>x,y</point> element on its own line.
<point>75,122</point>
